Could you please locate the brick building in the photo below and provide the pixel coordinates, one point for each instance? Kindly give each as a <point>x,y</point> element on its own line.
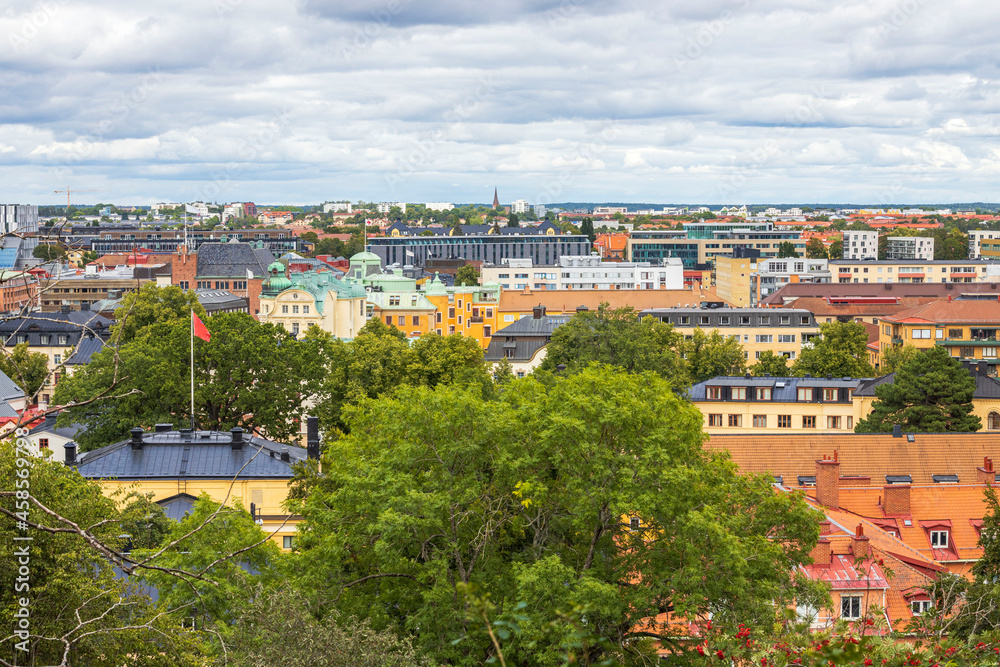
<point>238,268</point>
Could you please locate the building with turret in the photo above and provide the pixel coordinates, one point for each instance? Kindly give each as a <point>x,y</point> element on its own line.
<point>312,298</point>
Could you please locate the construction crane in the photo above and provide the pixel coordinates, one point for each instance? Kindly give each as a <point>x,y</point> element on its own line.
<point>68,192</point>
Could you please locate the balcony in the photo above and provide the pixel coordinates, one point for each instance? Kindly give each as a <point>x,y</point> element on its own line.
<point>475,320</point>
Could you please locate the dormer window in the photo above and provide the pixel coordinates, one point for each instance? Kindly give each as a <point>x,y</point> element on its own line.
<point>739,393</point>
<point>714,393</point>
<point>763,393</point>
<point>920,606</point>
<point>939,539</point>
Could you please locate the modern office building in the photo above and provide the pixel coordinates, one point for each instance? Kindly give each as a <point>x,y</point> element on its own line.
<point>909,248</point>
<point>586,273</point>
<point>860,245</point>
<point>914,271</point>
<point>493,248</point>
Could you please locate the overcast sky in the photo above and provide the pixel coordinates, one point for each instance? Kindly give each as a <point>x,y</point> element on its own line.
<point>687,101</point>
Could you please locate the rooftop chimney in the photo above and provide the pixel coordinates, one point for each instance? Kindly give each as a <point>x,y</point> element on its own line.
<point>897,430</point>
<point>821,553</point>
<point>896,499</point>
<point>237,437</point>
<point>84,306</point>
<point>70,453</point>
<point>538,312</point>
<point>65,308</point>
<point>136,438</point>
<point>284,454</point>
<point>859,542</point>
<point>312,437</point>
<point>828,482</point>
<point>163,428</point>
<point>986,474</point>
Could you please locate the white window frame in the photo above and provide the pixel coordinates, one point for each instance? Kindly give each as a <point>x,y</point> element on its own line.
<point>939,539</point>
<point>851,604</point>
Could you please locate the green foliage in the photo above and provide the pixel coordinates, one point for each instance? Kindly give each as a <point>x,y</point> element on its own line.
<point>528,498</point>
<point>252,375</point>
<point>787,249</point>
<point>587,228</point>
<point>710,355</point>
<point>68,577</point>
<point>617,337</point>
<point>931,393</point>
<point>512,220</point>
<point>467,275</point>
<point>151,305</point>
<point>27,369</point>
<point>841,351</point>
<point>895,357</point>
<point>771,364</point>
<point>49,251</point>
<point>836,249</point>
<point>815,249</point>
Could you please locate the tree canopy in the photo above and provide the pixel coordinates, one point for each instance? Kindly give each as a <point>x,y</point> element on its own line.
<point>931,393</point>
<point>772,364</point>
<point>815,249</point>
<point>840,351</point>
<point>710,355</point>
<point>551,497</point>
<point>787,249</point>
<point>467,275</point>
<point>27,369</point>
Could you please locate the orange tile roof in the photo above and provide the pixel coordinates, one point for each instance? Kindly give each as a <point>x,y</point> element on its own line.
<point>952,312</point>
<point>861,454</point>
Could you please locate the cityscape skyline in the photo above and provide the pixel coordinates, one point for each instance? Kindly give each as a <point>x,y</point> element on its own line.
<point>727,101</point>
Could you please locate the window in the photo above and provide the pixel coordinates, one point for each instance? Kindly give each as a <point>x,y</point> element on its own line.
<point>760,421</point>
<point>763,393</point>
<point>287,541</point>
<point>805,394</point>
<point>715,420</point>
<point>989,353</point>
<point>506,318</point>
<point>765,319</point>
<point>833,422</point>
<point>920,606</point>
<point>43,443</point>
<point>437,317</point>
<point>487,331</point>
<point>451,315</point>
<point>784,320</point>
<point>744,320</point>
<point>804,319</point>
<point>952,333</point>
<point>295,328</point>
<point>402,320</point>
<point>785,421</point>
<point>284,310</point>
<point>684,319</point>
<point>736,420</point>
<point>704,320</point>
<point>786,338</point>
<point>993,421</point>
<point>715,394</point>
<point>920,333</point>
<point>634,523</point>
<point>739,394</point>
<point>850,423</point>
<point>939,539</point>
<point>850,606</point>
<point>764,338</point>
<point>43,339</point>
<point>305,310</point>
<point>416,320</point>
<point>57,359</point>
<point>939,334</point>
<point>295,310</point>
<point>829,394</point>
<point>388,319</point>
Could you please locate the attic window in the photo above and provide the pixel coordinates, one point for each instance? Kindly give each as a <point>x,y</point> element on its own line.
<point>634,523</point>
<point>939,539</point>
<point>778,479</point>
<point>945,479</point>
<point>910,437</point>
<point>898,479</point>
<point>807,480</point>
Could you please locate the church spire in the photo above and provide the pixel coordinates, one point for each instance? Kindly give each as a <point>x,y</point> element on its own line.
<point>496,200</point>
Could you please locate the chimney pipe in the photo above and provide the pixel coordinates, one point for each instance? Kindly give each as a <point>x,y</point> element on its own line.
<point>828,482</point>
<point>986,474</point>
<point>136,438</point>
<point>821,553</point>
<point>284,455</point>
<point>312,437</point>
<point>897,430</point>
<point>237,437</point>
<point>70,453</point>
<point>897,499</point>
<point>859,542</point>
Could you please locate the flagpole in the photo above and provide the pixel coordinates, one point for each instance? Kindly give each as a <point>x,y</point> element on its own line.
<point>192,370</point>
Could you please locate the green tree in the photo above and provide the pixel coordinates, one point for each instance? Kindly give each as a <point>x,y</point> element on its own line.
<point>840,351</point>
<point>467,275</point>
<point>513,221</point>
<point>587,228</point>
<point>836,250</point>
<point>530,499</point>
<point>931,393</point>
<point>815,249</point>
<point>27,369</point>
<point>49,251</point>
<point>772,364</point>
<point>252,375</point>
<point>787,249</point>
<point>617,337</point>
<point>151,305</point>
<point>895,357</point>
<point>78,605</point>
<point>710,355</point>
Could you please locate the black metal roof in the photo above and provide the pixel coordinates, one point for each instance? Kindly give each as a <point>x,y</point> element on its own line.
<point>73,321</point>
<point>233,260</point>
<point>986,387</point>
<point>201,454</point>
<point>85,350</point>
<point>532,326</point>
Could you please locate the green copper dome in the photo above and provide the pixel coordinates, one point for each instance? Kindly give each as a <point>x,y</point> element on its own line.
<point>277,282</point>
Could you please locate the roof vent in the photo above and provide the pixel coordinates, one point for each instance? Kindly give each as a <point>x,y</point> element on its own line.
<point>898,479</point>
<point>807,480</point>
<point>897,430</point>
<point>186,434</point>
<point>237,437</point>
<point>136,438</point>
<point>945,479</point>
<point>70,453</point>
<point>163,428</point>
<point>284,454</point>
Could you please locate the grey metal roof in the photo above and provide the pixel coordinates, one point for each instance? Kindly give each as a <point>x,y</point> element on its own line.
<point>176,507</point>
<point>203,454</point>
<point>785,389</point>
<point>743,382</point>
<point>986,387</point>
<point>75,321</point>
<point>232,260</point>
<point>531,326</point>
<point>7,410</point>
<point>9,391</point>
<point>48,425</point>
<point>85,350</point>
<point>523,350</point>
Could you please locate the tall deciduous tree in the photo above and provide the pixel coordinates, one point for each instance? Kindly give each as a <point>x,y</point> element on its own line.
<point>815,249</point>
<point>467,275</point>
<point>836,249</point>
<point>771,364</point>
<point>710,355</point>
<point>893,358</point>
<point>27,369</point>
<point>787,249</point>
<point>931,393</point>
<point>841,351</point>
<point>617,337</point>
<point>593,493</point>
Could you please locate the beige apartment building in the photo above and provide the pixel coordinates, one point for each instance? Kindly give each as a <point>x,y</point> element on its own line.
<point>914,271</point>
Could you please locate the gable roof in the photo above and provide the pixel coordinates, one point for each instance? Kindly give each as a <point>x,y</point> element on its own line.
<point>9,391</point>
<point>233,260</point>
<point>959,311</point>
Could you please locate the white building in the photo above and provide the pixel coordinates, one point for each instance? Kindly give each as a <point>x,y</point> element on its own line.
<point>975,238</point>
<point>156,208</point>
<point>337,207</point>
<point>386,206</point>
<point>909,247</point>
<point>439,206</point>
<point>860,245</point>
<point>773,274</point>
<point>539,211</point>
<point>19,218</point>
<point>610,210</point>
<point>586,272</point>
<point>519,206</point>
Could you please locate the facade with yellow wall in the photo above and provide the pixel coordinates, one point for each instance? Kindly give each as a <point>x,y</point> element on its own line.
<point>312,298</point>
<point>968,328</point>
<point>183,464</point>
<point>469,310</point>
<point>733,279</point>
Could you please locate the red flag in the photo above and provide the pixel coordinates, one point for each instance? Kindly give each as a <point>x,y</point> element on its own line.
<point>200,330</point>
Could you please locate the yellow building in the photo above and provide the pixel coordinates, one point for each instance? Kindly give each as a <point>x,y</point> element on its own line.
<point>469,310</point>
<point>967,327</point>
<point>733,279</point>
<point>312,298</point>
<point>734,405</point>
<point>176,466</point>
<point>863,271</point>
